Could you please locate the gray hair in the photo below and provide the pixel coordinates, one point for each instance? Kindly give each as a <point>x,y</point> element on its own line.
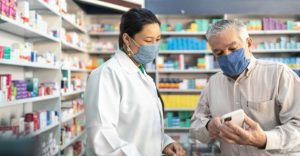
<point>219,26</point>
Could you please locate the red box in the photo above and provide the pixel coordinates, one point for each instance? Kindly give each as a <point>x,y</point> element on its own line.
<point>1,52</point>
<point>36,121</point>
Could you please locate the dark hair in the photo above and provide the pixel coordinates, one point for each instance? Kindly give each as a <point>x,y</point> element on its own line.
<point>132,22</point>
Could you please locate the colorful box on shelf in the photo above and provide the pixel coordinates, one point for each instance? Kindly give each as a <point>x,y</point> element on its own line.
<point>8,8</point>
<point>181,101</point>
<point>173,83</point>
<point>198,25</point>
<point>70,108</point>
<point>292,62</point>
<point>178,119</point>
<point>21,89</point>
<point>282,43</point>
<point>25,52</point>
<point>102,47</point>
<point>30,123</point>
<point>184,43</point>
<point>103,28</point>
<point>273,24</point>
<point>94,63</point>
<point>178,63</point>
<point>71,130</point>
<point>76,149</point>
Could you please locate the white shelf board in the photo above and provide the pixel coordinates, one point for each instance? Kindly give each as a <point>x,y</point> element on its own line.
<point>180,90</point>
<point>38,132</point>
<point>72,117</point>
<point>69,46</point>
<point>176,128</point>
<point>257,51</point>
<point>19,29</point>
<point>273,32</point>
<point>40,5</point>
<point>183,33</point>
<point>104,33</point>
<point>190,71</point>
<point>185,52</point>
<point>69,25</point>
<point>75,69</point>
<point>179,109</point>
<point>27,64</point>
<point>296,69</point>
<point>72,141</point>
<point>102,52</point>
<point>72,93</point>
<point>29,100</point>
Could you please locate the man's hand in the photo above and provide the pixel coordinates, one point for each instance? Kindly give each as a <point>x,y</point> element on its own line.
<point>213,127</point>
<point>174,149</point>
<point>253,135</point>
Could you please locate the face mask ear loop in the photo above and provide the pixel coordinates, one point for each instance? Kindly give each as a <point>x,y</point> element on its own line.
<point>134,42</point>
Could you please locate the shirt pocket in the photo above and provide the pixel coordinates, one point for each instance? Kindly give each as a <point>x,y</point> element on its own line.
<point>261,106</point>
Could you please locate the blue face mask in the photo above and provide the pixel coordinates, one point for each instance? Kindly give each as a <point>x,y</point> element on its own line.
<point>233,64</point>
<point>146,53</point>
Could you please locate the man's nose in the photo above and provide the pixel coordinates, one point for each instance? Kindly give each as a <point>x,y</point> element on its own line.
<point>227,52</point>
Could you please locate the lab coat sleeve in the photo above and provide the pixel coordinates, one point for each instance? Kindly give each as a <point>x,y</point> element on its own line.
<point>167,140</point>
<point>286,137</point>
<point>102,100</point>
<point>200,118</point>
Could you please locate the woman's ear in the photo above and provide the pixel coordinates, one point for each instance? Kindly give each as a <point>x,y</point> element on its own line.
<point>125,38</point>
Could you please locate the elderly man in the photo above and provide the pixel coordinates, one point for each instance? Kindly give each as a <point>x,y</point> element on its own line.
<point>268,92</point>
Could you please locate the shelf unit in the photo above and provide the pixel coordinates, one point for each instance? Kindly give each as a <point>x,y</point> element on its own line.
<point>29,100</point>
<point>28,64</point>
<point>72,117</point>
<point>73,140</point>
<point>13,31</point>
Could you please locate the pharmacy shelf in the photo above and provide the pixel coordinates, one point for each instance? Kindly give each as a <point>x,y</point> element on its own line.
<point>72,117</point>
<point>42,7</point>
<point>72,93</point>
<point>274,32</point>
<point>297,69</point>
<point>27,64</point>
<point>72,141</point>
<point>183,33</point>
<point>19,29</point>
<point>70,47</point>
<point>180,90</point>
<point>104,33</point>
<point>76,69</point>
<point>179,109</point>
<point>176,129</point>
<point>185,52</point>
<point>29,100</point>
<point>38,132</point>
<point>102,52</point>
<point>69,25</point>
<point>189,71</point>
<point>258,51</point>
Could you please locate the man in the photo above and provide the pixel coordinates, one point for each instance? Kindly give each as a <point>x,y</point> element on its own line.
<point>268,92</point>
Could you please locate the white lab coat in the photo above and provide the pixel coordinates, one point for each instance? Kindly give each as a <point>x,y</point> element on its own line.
<point>123,112</point>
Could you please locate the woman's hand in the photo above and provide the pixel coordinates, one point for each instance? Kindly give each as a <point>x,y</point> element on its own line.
<point>174,149</point>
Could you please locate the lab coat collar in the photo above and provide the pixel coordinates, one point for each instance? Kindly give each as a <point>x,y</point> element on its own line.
<point>125,62</point>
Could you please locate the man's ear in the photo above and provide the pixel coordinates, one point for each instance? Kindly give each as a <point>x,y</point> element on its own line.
<point>249,42</point>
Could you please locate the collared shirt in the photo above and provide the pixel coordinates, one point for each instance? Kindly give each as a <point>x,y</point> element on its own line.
<point>269,93</point>
<point>123,112</point>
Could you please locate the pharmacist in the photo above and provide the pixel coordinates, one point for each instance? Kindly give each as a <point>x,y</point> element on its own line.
<point>123,109</point>
<point>268,93</point>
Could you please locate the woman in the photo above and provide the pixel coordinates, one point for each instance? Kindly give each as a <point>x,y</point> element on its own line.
<point>123,110</point>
